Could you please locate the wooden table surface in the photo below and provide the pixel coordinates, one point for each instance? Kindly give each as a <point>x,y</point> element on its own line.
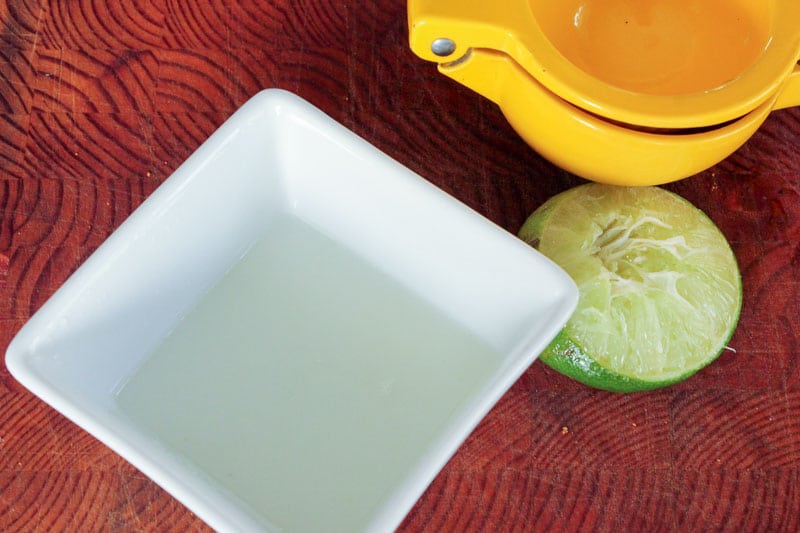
<point>101,100</point>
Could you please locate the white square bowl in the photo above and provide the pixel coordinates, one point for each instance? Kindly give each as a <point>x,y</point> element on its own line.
<point>279,159</point>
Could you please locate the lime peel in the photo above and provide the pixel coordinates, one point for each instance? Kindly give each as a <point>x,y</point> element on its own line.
<point>660,288</point>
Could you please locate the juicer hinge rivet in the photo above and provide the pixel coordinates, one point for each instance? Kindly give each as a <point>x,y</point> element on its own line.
<point>443,47</point>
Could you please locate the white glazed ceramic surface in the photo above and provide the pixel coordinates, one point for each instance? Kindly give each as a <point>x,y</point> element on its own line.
<point>274,157</point>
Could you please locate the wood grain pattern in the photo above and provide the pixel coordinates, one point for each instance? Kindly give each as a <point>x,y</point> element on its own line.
<point>92,25</point>
<point>101,101</point>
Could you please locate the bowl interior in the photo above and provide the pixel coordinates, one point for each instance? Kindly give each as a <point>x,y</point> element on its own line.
<point>659,47</point>
<point>293,331</point>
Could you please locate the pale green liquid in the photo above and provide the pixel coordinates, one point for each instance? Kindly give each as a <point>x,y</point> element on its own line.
<point>306,383</point>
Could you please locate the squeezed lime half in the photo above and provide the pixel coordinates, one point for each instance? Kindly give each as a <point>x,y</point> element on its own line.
<point>660,289</point>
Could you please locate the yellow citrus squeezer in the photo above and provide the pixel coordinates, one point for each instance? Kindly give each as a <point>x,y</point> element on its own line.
<point>617,91</point>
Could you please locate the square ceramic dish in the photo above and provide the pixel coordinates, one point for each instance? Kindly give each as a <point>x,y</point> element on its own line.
<point>294,332</point>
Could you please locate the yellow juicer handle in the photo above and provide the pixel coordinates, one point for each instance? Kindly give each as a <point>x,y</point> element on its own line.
<point>458,25</point>
<point>587,145</point>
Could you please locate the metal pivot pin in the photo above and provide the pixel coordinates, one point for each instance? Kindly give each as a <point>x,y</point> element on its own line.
<point>443,47</point>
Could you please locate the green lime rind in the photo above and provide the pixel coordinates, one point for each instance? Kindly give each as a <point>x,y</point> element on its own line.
<point>564,356</point>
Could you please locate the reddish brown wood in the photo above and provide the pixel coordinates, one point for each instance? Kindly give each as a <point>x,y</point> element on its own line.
<point>101,101</point>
